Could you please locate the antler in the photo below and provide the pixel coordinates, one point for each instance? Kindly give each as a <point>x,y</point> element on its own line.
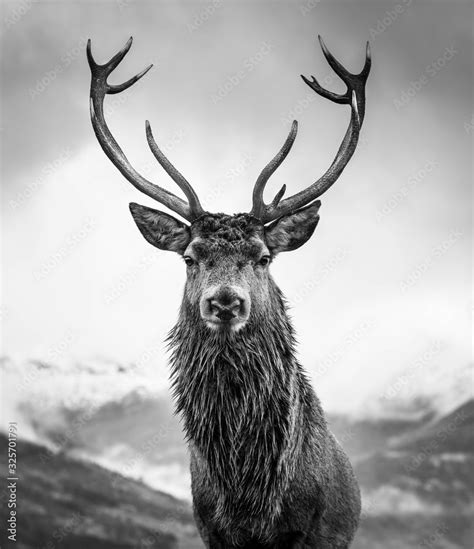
<point>99,89</point>
<point>259,206</point>
<point>354,96</point>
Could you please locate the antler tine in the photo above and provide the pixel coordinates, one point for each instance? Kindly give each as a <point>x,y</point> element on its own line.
<point>368,62</point>
<point>99,89</point>
<point>316,86</point>
<point>113,63</point>
<point>117,58</point>
<point>259,206</point>
<point>183,183</point>
<point>117,88</point>
<point>339,69</point>
<point>355,97</point>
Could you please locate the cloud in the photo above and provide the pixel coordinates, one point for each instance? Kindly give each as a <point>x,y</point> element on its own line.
<point>56,176</point>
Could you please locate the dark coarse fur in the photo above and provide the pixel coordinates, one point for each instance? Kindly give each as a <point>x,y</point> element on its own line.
<point>222,229</point>
<point>266,472</point>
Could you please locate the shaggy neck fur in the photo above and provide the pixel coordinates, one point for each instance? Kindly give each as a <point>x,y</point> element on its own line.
<point>241,397</point>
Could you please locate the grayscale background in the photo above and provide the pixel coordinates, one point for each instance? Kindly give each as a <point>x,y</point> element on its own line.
<point>380,296</point>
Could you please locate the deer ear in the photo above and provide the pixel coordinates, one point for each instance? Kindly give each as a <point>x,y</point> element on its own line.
<point>160,229</point>
<point>293,230</point>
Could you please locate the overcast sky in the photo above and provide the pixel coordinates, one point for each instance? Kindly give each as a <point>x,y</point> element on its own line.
<point>386,275</point>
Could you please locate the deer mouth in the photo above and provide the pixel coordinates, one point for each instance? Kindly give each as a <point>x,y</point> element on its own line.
<point>233,324</point>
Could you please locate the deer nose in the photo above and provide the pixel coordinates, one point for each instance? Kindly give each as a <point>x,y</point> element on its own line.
<point>225,304</point>
<point>224,310</point>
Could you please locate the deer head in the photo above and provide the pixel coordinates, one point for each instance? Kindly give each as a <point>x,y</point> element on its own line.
<point>228,256</point>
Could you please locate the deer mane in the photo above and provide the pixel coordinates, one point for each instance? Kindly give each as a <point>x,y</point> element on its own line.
<point>241,397</point>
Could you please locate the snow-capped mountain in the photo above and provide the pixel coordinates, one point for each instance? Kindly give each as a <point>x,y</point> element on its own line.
<point>121,415</point>
<point>415,474</point>
<point>44,393</point>
<point>118,415</point>
<point>40,393</point>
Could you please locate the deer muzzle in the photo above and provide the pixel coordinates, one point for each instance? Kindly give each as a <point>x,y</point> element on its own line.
<point>225,307</point>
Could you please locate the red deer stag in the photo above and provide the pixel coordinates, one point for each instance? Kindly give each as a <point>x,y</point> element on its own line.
<point>266,471</point>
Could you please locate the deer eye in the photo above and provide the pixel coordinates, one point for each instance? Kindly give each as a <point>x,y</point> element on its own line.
<point>264,261</point>
<point>188,260</point>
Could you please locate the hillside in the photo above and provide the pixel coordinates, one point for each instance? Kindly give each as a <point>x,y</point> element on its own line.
<point>116,450</point>
<point>73,504</point>
<point>418,487</point>
<point>416,482</point>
